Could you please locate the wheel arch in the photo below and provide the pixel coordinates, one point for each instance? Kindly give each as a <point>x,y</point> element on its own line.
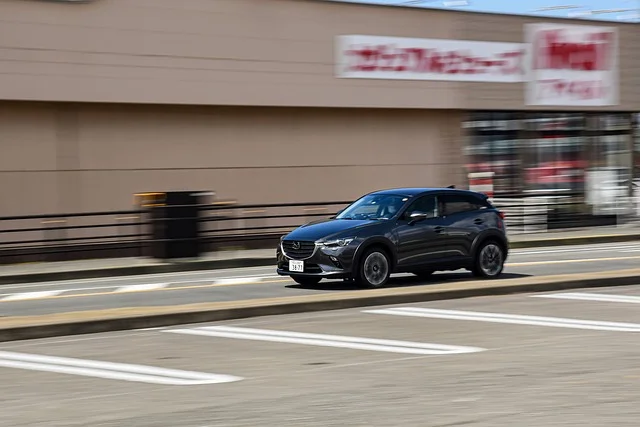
<point>381,242</point>
<point>490,235</point>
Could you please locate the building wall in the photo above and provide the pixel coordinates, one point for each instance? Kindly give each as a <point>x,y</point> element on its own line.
<point>224,52</point>
<point>81,157</point>
<point>103,99</point>
<point>243,52</point>
<point>504,28</point>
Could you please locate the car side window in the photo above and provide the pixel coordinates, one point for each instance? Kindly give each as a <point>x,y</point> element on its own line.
<point>450,204</point>
<point>425,204</point>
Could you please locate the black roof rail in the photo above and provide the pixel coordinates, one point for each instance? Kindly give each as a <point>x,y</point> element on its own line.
<point>451,186</point>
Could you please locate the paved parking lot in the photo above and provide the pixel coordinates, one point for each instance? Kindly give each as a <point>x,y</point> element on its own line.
<point>565,358</point>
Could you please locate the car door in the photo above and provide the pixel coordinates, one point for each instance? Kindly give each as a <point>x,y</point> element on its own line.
<point>463,219</point>
<point>419,243</point>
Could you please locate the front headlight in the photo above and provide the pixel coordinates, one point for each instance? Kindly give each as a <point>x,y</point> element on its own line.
<point>336,244</point>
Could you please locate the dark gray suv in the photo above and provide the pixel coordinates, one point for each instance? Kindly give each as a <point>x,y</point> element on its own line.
<point>404,230</point>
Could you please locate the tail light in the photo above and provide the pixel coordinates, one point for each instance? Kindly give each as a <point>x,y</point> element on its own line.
<point>501,214</point>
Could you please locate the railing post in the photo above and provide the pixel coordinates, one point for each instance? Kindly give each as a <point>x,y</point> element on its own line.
<point>52,237</point>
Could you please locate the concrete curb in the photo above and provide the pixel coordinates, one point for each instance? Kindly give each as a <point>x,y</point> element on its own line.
<point>179,267</point>
<point>88,322</point>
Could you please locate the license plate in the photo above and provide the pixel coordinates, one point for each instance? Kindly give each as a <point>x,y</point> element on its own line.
<point>297,266</point>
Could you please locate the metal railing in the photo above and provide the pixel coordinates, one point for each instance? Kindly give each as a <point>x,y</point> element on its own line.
<point>227,225</point>
<point>72,236</point>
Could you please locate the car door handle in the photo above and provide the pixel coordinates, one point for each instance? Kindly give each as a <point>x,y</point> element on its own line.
<point>438,229</point>
<point>478,221</point>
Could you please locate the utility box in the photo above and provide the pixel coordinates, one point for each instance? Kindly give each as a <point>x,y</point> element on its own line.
<point>175,223</point>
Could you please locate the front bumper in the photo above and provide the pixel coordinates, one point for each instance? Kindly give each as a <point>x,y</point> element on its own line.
<point>324,262</point>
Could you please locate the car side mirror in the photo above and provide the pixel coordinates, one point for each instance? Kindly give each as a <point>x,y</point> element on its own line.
<point>417,217</point>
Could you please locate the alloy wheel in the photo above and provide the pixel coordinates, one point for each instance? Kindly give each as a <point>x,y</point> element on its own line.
<point>491,260</point>
<point>376,269</point>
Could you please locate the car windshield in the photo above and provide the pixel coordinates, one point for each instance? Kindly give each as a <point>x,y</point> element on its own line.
<point>374,206</point>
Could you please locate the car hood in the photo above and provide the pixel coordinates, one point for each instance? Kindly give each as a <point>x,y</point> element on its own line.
<point>327,229</point>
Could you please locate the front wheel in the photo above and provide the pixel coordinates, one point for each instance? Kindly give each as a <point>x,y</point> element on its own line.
<point>306,280</point>
<point>489,261</point>
<point>374,269</point>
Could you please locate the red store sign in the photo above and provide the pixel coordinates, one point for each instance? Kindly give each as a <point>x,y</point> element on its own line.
<point>572,65</point>
<point>429,59</point>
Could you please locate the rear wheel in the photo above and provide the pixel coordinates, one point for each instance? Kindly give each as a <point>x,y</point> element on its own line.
<point>306,280</point>
<point>374,269</point>
<point>489,261</point>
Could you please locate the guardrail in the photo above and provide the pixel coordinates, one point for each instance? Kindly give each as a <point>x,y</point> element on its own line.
<point>73,236</point>
<point>228,225</point>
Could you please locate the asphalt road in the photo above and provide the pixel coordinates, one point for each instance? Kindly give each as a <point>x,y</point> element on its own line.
<point>477,362</point>
<point>250,283</point>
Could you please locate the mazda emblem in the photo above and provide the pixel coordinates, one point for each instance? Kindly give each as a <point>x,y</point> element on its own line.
<point>296,245</point>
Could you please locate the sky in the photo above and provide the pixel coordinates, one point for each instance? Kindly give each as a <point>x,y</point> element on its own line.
<point>602,10</point>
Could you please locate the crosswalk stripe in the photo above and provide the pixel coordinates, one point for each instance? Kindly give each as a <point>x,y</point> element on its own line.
<point>357,343</point>
<point>591,297</point>
<point>509,318</point>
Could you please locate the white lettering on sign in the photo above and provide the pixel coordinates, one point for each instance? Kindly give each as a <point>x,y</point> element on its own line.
<point>429,59</point>
<point>572,65</point>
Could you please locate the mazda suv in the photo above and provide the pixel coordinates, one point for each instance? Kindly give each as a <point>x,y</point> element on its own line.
<point>405,230</point>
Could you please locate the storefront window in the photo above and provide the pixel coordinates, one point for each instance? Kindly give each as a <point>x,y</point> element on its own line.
<point>610,159</point>
<point>554,154</point>
<point>636,148</point>
<point>492,146</point>
<point>586,156</point>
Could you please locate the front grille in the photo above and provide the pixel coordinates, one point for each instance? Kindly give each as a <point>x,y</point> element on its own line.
<point>304,251</point>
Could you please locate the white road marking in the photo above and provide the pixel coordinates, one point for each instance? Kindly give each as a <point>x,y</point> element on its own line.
<point>630,250</point>
<point>577,249</point>
<point>356,343</point>
<point>555,322</point>
<point>110,370</point>
<point>237,280</point>
<point>25,296</point>
<point>134,288</point>
<point>143,287</point>
<point>208,275</point>
<point>592,297</point>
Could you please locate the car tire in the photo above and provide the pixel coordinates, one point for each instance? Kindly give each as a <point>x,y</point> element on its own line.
<point>306,280</point>
<point>489,260</point>
<point>423,274</point>
<point>374,269</point>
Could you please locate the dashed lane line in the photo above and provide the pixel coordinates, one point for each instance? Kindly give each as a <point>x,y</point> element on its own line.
<point>595,248</point>
<point>30,296</point>
<point>171,277</point>
<point>65,293</point>
<point>230,281</point>
<point>144,287</point>
<point>569,261</point>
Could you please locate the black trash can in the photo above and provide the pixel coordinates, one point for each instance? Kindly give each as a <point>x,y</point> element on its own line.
<point>175,224</point>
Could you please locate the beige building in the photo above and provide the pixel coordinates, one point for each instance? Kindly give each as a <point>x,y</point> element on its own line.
<point>249,98</point>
